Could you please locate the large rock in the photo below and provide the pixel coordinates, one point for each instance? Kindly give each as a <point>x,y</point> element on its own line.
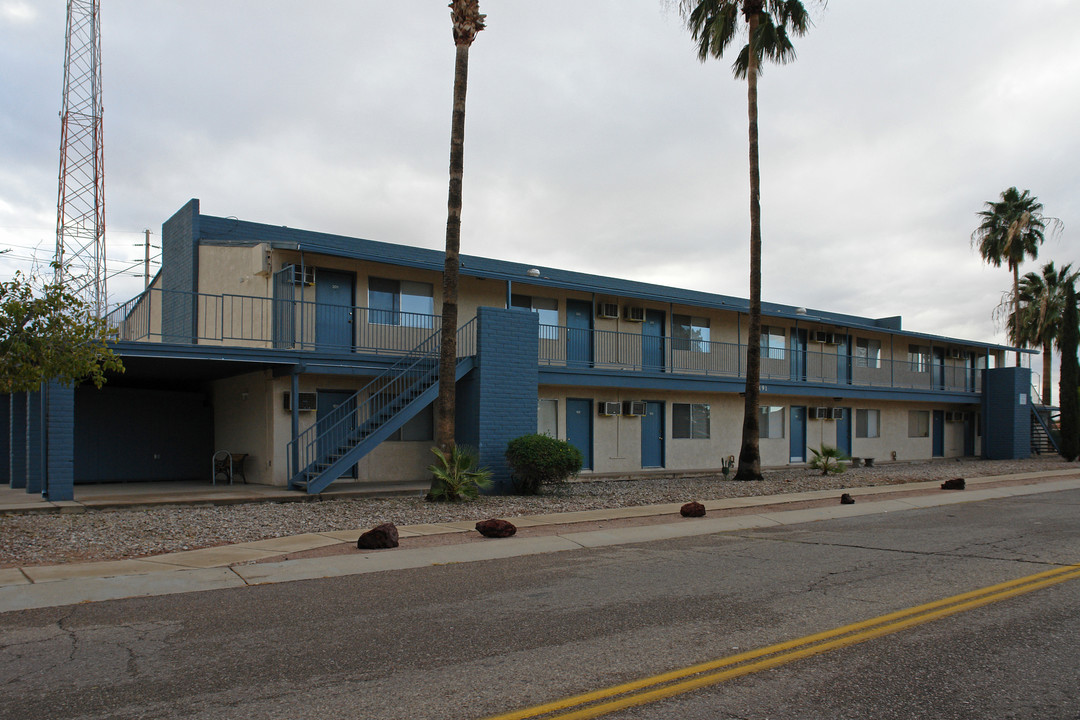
<point>379,537</point>
<point>495,528</point>
<point>954,484</point>
<point>692,509</point>
<point>846,499</point>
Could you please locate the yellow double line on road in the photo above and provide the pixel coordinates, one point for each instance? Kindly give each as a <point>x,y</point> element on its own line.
<point>676,682</point>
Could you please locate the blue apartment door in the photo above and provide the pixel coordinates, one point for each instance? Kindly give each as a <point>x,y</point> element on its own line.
<point>843,361</point>
<point>843,432</point>
<point>333,310</point>
<point>939,433</point>
<point>327,402</point>
<point>652,435</point>
<point>798,356</point>
<point>579,345</point>
<point>652,341</point>
<point>579,428</point>
<point>969,434</point>
<point>798,433</point>
<point>938,369</point>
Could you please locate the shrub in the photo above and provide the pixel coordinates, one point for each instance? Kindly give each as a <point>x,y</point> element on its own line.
<point>829,460</point>
<point>537,459</point>
<point>456,475</point>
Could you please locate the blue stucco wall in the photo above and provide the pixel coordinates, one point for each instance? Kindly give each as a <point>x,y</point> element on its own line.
<point>179,274</point>
<point>35,443</point>
<point>1007,422</point>
<point>17,441</point>
<point>59,407</point>
<point>506,384</point>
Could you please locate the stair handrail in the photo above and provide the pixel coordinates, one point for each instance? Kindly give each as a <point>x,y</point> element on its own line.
<point>343,418</point>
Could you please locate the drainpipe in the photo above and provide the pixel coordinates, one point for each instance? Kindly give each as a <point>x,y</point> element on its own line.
<point>509,292</point>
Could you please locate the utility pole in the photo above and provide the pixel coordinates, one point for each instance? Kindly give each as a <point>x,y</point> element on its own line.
<point>80,209</point>
<point>146,261</point>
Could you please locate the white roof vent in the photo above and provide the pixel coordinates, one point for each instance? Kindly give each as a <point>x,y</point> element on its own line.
<point>533,272</point>
<point>800,311</point>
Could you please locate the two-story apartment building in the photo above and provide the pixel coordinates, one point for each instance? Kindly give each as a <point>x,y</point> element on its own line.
<point>315,356</point>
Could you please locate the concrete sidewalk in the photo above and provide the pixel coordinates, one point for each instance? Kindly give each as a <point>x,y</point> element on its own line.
<point>232,565</point>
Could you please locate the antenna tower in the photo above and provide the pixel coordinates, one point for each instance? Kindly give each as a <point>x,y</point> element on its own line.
<point>80,210</point>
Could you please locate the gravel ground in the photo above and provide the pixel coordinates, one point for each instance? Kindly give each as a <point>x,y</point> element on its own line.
<point>116,534</point>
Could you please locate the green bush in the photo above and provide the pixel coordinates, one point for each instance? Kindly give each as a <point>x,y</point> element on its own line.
<point>456,476</point>
<point>829,460</point>
<point>538,459</point>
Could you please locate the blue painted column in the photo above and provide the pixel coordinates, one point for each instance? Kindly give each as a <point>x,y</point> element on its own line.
<point>59,410</point>
<point>1007,413</point>
<point>508,345</point>
<point>17,460</point>
<point>5,438</point>
<point>35,443</point>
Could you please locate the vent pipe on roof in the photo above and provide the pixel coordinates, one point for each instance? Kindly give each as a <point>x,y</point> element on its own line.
<point>533,272</point>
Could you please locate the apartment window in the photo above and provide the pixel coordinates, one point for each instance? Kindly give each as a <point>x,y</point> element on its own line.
<point>867,353</point>
<point>770,421</point>
<point>919,358</point>
<point>401,302</point>
<point>690,421</point>
<point>772,343</point>
<point>690,333</point>
<point>546,308</point>
<point>918,423</point>
<point>867,423</point>
<point>420,427</point>
<point>547,417</point>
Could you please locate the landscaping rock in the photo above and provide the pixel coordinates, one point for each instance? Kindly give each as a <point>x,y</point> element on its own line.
<point>954,484</point>
<point>379,537</point>
<point>495,528</point>
<point>692,509</point>
<point>846,499</point>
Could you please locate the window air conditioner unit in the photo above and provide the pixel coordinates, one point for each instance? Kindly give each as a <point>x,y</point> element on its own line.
<point>837,413</point>
<point>818,413</point>
<point>633,407</point>
<point>303,275</point>
<point>608,408</point>
<point>955,353</point>
<point>822,337</point>
<point>308,402</point>
<point>832,339</point>
<point>607,310</point>
<point>634,314</point>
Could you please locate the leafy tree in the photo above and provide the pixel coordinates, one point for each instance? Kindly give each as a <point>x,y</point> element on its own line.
<point>1011,229</point>
<point>769,24</point>
<point>1070,377</point>
<point>1042,300</point>
<point>48,334</point>
<point>467,21</point>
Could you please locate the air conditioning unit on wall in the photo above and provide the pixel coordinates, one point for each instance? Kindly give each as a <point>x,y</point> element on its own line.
<point>309,402</point>
<point>607,310</point>
<point>607,409</point>
<point>633,407</point>
<point>634,314</point>
<point>818,413</point>
<point>837,413</point>
<point>820,336</point>
<point>302,275</point>
<point>955,353</point>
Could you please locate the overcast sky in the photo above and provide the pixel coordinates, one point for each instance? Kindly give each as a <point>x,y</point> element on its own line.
<point>595,139</point>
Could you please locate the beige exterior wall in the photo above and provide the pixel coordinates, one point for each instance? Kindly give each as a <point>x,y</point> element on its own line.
<point>243,409</point>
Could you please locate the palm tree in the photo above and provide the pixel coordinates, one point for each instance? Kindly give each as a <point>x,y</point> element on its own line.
<point>1012,228</point>
<point>467,21</point>
<point>1042,301</point>
<point>713,25</point>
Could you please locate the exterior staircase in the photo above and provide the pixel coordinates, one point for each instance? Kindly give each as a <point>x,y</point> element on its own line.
<point>334,444</point>
<point>1042,440</point>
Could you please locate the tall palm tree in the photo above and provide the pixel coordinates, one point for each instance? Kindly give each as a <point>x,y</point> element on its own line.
<point>1042,301</point>
<point>713,25</point>
<point>1012,228</point>
<point>467,21</point>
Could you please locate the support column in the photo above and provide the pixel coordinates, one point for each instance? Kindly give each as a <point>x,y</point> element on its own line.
<point>17,462</point>
<point>508,347</point>
<point>59,410</point>
<point>5,438</point>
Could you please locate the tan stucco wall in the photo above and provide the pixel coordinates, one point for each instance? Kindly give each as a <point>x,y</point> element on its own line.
<point>242,413</point>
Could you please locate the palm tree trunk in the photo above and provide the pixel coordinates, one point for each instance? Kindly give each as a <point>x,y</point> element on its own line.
<point>750,453</point>
<point>1016,308</point>
<point>448,346</point>
<point>1048,386</point>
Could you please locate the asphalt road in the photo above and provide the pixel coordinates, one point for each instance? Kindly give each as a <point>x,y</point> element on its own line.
<point>470,641</point>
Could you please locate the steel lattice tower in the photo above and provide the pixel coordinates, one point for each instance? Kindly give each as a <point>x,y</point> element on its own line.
<point>80,210</point>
